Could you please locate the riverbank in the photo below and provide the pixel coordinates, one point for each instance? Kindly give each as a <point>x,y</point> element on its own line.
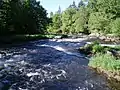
<point>107,65</point>
<point>20,39</point>
<point>103,59</point>
<point>108,38</point>
<point>109,74</point>
<point>112,82</point>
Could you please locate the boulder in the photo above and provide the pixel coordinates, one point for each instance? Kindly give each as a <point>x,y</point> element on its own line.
<point>109,52</point>
<point>102,37</point>
<point>117,53</point>
<point>64,36</point>
<point>58,37</point>
<point>94,35</point>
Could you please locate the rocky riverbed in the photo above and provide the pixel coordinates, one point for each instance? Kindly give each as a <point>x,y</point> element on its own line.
<point>53,64</point>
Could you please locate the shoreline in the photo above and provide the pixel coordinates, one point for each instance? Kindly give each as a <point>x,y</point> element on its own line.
<point>113,82</point>
<point>108,74</point>
<point>8,41</point>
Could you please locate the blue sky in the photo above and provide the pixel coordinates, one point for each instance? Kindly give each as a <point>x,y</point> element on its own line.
<point>53,5</point>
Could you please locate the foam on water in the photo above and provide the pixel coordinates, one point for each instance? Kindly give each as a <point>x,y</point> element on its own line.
<point>49,65</point>
<point>32,74</point>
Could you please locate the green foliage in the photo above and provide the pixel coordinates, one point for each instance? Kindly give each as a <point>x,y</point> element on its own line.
<point>95,43</point>
<point>102,13</point>
<point>71,21</point>
<point>88,49</point>
<point>117,48</point>
<point>68,20</point>
<point>107,6</point>
<point>55,26</point>
<point>97,49</point>
<point>57,21</point>
<point>22,17</point>
<point>51,14</point>
<point>115,27</point>
<point>81,19</point>
<point>81,4</point>
<point>98,22</point>
<point>105,61</point>
<point>98,16</point>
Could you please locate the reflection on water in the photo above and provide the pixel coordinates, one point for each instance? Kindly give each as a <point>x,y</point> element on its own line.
<point>48,65</point>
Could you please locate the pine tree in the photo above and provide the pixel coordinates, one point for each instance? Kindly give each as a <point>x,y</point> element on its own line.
<point>81,4</point>
<point>51,14</point>
<point>73,5</point>
<point>59,10</point>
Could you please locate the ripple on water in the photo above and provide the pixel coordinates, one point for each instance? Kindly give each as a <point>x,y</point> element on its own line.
<point>48,65</point>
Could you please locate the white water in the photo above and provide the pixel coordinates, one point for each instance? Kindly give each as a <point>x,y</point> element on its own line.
<point>50,65</point>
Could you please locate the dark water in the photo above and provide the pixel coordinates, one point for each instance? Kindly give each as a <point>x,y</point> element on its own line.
<point>48,65</point>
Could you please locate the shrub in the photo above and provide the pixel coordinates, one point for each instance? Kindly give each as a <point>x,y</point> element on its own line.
<point>86,49</point>
<point>92,48</point>
<point>96,43</point>
<point>117,47</point>
<point>105,61</point>
<point>97,49</point>
<point>115,27</point>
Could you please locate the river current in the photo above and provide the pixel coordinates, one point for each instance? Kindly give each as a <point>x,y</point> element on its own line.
<point>53,64</point>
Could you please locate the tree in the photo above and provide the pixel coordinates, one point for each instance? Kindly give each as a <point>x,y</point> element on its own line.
<point>22,16</point>
<point>81,20</point>
<point>102,13</point>
<point>73,5</point>
<point>115,27</point>
<point>59,10</point>
<point>101,16</point>
<point>68,21</point>
<point>57,21</point>
<point>98,22</point>
<point>55,26</point>
<point>37,16</point>
<point>51,14</point>
<point>81,4</point>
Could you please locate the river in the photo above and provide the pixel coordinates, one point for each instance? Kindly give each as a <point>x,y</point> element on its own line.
<point>53,64</point>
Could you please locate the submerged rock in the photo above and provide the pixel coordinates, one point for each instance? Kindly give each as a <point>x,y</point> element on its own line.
<point>110,53</point>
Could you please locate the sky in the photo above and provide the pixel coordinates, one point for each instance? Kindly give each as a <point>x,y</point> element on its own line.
<point>53,5</point>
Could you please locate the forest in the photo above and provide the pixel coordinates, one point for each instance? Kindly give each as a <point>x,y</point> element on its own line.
<point>92,16</point>
<point>22,17</point>
<point>30,17</point>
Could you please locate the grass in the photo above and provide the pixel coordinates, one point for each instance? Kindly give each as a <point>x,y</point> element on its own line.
<point>95,48</point>
<point>105,61</point>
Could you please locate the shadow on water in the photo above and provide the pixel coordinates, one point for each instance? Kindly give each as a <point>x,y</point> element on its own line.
<point>48,65</point>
